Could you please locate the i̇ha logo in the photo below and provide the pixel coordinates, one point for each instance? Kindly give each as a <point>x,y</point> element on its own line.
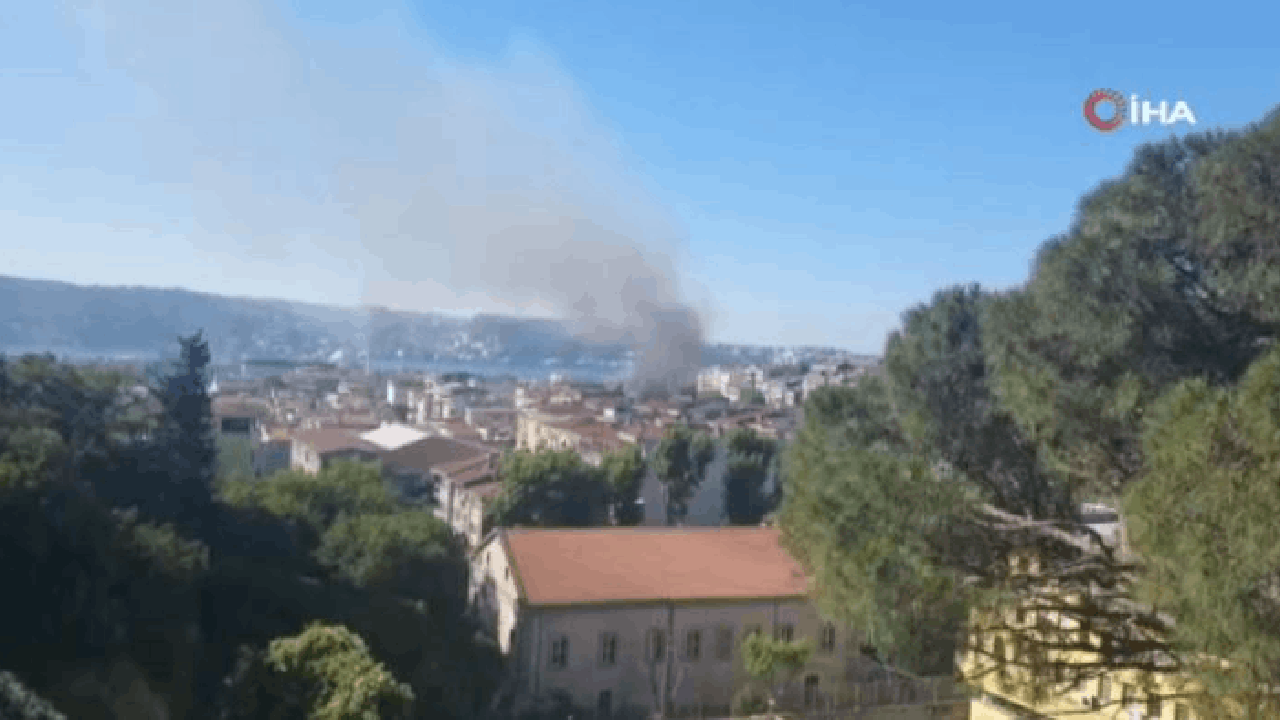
<point>1133,111</point>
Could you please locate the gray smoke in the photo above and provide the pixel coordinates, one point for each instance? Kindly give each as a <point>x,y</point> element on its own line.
<point>438,184</point>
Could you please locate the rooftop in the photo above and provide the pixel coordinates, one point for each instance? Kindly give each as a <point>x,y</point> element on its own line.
<point>648,564</point>
<point>327,440</point>
<point>428,453</point>
<point>393,437</point>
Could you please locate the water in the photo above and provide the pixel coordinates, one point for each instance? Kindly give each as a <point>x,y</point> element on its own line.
<point>528,370</point>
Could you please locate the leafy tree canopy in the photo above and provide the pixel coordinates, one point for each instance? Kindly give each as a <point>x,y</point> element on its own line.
<point>751,460</point>
<point>551,489</point>
<point>999,413</point>
<point>340,489</point>
<point>1203,518</point>
<point>624,471</point>
<point>680,462</point>
<point>324,673</point>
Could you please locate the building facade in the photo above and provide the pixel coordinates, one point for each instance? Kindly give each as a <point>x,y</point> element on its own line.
<point>627,620</point>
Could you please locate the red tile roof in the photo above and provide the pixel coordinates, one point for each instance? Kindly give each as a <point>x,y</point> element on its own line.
<point>602,565</point>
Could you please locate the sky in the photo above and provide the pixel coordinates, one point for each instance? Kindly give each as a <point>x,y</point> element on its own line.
<point>797,173</point>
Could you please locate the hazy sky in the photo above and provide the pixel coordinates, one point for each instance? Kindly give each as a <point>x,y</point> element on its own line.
<point>800,175</point>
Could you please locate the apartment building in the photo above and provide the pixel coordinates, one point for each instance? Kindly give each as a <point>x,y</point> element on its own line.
<point>568,427</point>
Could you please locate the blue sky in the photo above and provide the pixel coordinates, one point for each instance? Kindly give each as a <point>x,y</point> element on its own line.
<point>801,173</point>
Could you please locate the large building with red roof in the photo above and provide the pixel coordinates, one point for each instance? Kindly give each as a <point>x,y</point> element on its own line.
<point>619,619</point>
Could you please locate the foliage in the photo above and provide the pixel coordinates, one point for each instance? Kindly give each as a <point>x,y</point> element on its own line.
<point>998,414</point>
<point>56,421</point>
<point>19,703</point>
<point>551,489</point>
<point>324,673</point>
<point>235,458</point>
<point>751,459</point>
<point>751,396</point>
<point>187,445</point>
<point>340,489</point>
<point>774,662</point>
<point>163,548</point>
<point>680,462</point>
<point>624,471</point>
<point>749,701</point>
<point>31,455</point>
<point>410,553</point>
<point>1122,307</point>
<point>1203,518</point>
<point>875,531</point>
<point>96,587</point>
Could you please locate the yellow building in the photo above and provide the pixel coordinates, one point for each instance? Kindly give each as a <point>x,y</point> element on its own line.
<point>570,428</point>
<point>996,664</point>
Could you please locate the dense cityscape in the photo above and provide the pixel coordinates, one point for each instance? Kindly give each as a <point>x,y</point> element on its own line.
<point>401,360</point>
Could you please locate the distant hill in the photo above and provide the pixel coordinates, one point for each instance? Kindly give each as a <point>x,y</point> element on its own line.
<point>68,318</point>
<point>38,314</point>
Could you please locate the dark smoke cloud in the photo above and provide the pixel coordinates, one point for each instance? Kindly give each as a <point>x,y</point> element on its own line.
<point>443,185</point>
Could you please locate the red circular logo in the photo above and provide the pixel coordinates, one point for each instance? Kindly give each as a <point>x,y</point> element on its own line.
<point>1096,98</point>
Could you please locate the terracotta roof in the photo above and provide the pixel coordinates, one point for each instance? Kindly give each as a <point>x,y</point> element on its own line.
<point>601,565</point>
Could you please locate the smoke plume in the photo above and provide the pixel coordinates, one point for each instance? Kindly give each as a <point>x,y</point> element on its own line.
<point>438,183</point>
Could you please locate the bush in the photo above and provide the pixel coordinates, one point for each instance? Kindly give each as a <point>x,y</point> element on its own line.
<point>749,701</point>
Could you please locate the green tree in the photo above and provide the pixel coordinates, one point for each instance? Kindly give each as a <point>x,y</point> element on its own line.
<point>680,462</point>
<point>750,461</point>
<point>326,672</point>
<point>1203,518</point>
<point>624,471</point>
<point>187,443</point>
<point>774,662</point>
<point>235,458</point>
<point>340,489</point>
<point>409,553</point>
<point>551,489</point>
<point>998,414</point>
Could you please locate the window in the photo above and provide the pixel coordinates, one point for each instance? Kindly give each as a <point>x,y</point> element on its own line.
<point>560,653</point>
<point>1020,616</point>
<point>724,643</point>
<point>604,704</point>
<point>656,646</point>
<point>1180,712</point>
<point>693,645</point>
<point>811,690</point>
<point>752,630</point>
<point>1104,689</point>
<point>998,650</point>
<point>1154,706</point>
<point>608,649</point>
<point>1127,694</point>
<point>785,632</point>
<point>828,638</point>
